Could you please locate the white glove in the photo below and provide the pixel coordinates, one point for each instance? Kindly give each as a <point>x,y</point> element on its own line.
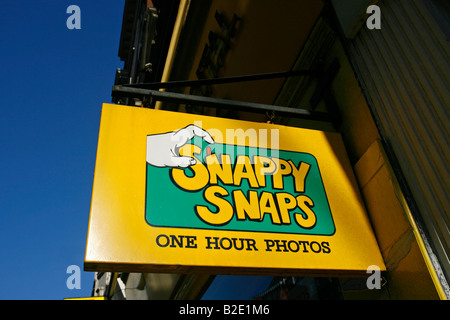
<point>163,149</point>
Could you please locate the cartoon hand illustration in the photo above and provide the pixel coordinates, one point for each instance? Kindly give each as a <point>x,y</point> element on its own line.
<point>163,149</point>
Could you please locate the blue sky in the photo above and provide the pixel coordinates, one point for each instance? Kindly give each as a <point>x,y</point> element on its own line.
<point>54,81</point>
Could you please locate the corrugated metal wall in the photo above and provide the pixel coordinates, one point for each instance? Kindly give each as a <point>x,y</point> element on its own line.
<point>404,72</point>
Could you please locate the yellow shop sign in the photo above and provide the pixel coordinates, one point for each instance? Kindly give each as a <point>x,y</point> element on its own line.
<point>177,192</point>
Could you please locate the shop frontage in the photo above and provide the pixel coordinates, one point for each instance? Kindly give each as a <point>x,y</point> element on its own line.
<point>248,156</point>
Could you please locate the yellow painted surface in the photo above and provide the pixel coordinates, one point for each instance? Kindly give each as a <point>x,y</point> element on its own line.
<point>357,127</point>
<point>87,298</point>
<point>119,239</point>
<point>409,276</point>
<point>258,46</point>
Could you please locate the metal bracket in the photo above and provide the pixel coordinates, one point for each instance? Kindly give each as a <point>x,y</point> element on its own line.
<point>155,95</point>
<point>149,92</point>
<point>224,80</point>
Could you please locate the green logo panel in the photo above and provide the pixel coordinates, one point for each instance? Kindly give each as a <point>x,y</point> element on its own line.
<point>293,204</point>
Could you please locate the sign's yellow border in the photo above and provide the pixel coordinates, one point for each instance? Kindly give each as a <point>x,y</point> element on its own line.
<point>119,239</point>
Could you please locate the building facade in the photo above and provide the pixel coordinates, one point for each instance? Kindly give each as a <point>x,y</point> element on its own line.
<point>378,69</point>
